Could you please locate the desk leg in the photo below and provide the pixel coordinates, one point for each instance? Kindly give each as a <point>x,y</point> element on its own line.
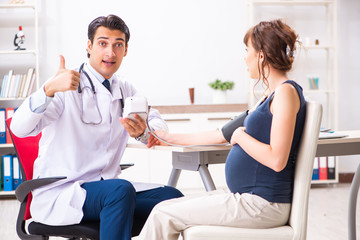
<point>206,178</point>
<point>174,177</point>
<point>354,189</point>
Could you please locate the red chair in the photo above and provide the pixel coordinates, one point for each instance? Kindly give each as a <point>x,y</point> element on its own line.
<point>27,150</point>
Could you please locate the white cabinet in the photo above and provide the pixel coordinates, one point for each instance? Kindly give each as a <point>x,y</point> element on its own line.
<point>315,21</point>
<point>197,122</point>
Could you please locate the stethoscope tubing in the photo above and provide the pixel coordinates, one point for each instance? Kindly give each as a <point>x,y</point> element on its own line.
<point>93,87</point>
<point>87,76</point>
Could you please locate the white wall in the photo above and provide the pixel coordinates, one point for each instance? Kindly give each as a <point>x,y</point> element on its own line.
<point>177,44</point>
<point>174,45</point>
<point>349,73</point>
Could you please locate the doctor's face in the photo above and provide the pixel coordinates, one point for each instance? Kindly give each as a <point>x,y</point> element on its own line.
<point>107,51</point>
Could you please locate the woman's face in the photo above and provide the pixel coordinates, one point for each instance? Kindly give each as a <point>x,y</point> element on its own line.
<point>252,60</point>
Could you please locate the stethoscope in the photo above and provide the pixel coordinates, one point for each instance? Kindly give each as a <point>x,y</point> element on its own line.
<point>94,118</point>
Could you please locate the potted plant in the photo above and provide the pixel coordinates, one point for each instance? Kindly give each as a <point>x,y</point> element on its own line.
<point>220,93</point>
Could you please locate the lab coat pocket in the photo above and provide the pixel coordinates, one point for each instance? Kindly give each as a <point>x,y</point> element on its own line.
<point>60,206</point>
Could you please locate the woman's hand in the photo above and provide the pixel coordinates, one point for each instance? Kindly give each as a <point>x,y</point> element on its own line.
<point>153,141</point>
<point>238,133</point>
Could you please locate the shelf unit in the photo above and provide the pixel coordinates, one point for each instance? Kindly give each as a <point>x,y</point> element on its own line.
<point>35,51</point>
<point>7,194</point>
<point>14,14</point>
<point>321,57</point>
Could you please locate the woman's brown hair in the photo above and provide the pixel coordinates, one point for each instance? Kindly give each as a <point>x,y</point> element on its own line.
<point>277,41</point>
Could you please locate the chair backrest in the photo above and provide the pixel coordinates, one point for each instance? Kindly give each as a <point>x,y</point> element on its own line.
<point>27,150</point>
<point>304,169</point>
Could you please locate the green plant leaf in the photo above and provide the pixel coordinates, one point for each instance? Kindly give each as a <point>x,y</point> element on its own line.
<point>223,86</point>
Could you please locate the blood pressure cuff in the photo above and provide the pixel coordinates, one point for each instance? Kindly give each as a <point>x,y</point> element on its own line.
<point>229,128</point>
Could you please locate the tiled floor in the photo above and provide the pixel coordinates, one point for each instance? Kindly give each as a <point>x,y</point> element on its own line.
<point>327,213</point>
<point>328,209</point>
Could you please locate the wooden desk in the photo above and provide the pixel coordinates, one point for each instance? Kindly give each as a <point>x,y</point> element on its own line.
<point>197,159</point>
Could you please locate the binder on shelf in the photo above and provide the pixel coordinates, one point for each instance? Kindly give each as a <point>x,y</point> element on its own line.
<point>9,112</point>
<point>323,168</point>
<point>2,126</point>
<point>16,172</point>
<point>331,167</point>
<point>315,175</point>
<point>1,174</point>
<point>8,173</point>
<point>20,175</point>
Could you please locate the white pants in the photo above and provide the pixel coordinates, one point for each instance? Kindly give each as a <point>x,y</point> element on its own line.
<point>169,218</point>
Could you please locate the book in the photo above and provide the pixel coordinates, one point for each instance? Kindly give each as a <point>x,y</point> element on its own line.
<point>1,81</point>
<point>14,85</point>
<point>3,85</point>
<point>8,83</point>
<point>32,84</point>
<point>21,85</point>
<point>29,76</point>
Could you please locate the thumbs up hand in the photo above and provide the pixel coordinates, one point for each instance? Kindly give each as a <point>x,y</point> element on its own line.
<point>64,80</point>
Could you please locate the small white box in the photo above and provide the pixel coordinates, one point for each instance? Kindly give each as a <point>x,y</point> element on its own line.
<point>138,105</point>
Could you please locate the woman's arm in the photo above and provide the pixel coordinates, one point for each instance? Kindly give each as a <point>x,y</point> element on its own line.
<point>284,107</point>
<point>200,138</point>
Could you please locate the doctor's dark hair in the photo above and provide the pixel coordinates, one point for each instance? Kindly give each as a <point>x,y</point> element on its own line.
<point>276,40</point>
<point>111,22</point>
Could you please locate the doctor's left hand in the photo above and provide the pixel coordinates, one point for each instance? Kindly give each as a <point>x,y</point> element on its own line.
<point>135,129</point>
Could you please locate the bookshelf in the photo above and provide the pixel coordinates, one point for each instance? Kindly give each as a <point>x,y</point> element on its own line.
<point>315,21</point>
<point>12,16</point>
<point>7,195</point>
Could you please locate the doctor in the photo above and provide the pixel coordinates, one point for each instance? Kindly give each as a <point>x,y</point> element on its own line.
<point>84,140</point>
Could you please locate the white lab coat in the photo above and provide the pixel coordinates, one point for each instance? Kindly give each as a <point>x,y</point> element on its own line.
<point>68,147</point>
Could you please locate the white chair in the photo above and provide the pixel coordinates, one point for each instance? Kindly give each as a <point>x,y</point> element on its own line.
<point>297,225</point>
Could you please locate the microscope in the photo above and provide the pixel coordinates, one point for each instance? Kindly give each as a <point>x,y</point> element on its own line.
<point>19,39</point>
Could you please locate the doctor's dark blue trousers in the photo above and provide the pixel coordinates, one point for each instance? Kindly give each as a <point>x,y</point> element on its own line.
<point>121,211</point>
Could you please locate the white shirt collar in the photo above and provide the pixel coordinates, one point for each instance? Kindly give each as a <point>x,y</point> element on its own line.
<point>98,76</point>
